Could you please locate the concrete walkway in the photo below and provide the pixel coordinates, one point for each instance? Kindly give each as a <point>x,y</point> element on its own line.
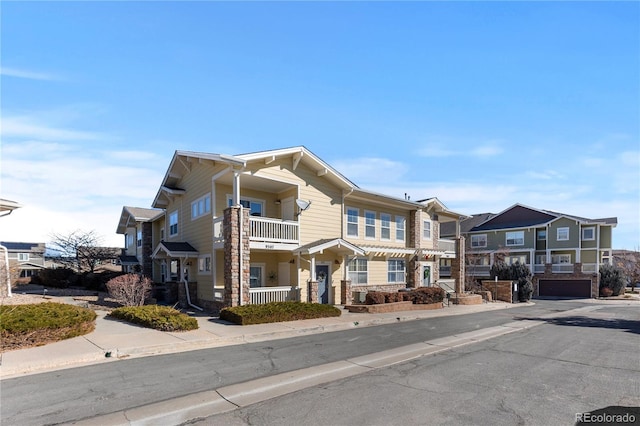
<point>113,340</point>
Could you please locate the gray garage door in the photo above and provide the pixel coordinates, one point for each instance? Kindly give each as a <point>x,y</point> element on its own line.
<point>565,288</point>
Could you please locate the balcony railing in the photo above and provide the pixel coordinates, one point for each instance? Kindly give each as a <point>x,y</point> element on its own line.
<point>262,295</point>
<point>589,268</point>
<point>478,270</point>
<point>263,229</point>
<point>447,245</point>
<point>562,268</point>
<point>538,268</point>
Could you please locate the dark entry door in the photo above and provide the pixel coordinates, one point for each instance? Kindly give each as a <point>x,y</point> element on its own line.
<point>322,276</point>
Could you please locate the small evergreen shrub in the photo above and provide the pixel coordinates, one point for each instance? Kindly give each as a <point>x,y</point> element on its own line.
<point>277,312</point>
<point>612,277</point>
<point>41,323</point>
<point>56,278</point>
<point>163,318</point>
<point>525,289</point>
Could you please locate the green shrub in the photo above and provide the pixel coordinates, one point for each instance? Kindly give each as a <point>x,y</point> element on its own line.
<point>163,318</point>
<point>56,278</point>
<point>277,312</point>
<point>525,289</point>
<point>613,278</point>
<point>40,323</point>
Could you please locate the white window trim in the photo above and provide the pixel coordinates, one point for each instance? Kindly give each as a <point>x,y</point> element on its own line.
<point>424,230</point>
<point>368,226</point>
<point>203,270</point>
<point>403,220</point>
<point>478,237</point>
<point>562,229</point>
<point>560,257</point>
<point>359,272</point>
<point>518,234</point>
<point>382,227</point>
<point>357,222</point>
<point>403,271</point>
<point>177,224</point>
<point>250,200</point>
<point>593,233</point>
<point>196,203</point>
<point>23,257</point>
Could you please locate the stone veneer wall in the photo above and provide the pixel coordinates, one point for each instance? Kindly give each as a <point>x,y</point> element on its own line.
<point>458,264</point>
<point>233,271</point>
<point>378,287</point>
<point>500,290</point>
<point>414,273</point>
<point>346,295</point>
<point>147,250</point>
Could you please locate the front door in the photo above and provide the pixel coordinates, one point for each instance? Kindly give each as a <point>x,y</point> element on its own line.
<point>426,276</point>
<point>322,276</point>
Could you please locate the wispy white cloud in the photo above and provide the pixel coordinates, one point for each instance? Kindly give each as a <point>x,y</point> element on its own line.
<point>369,169</point>
<point>28,127</point>
<point>31,75</point>
<point>449,148</point>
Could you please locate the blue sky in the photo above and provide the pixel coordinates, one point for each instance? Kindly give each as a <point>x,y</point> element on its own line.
<point>481,104</point>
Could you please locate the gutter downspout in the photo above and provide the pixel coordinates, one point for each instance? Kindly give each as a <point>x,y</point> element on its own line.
<point>6,264</point>
<point>240,244</point>
<point>186,288</point>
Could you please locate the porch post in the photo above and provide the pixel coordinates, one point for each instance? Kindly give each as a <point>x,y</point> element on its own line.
<point>236,188</point>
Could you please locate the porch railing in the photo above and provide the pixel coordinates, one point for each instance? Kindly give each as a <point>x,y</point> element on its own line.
<point>263,229</point>
<point>562,268</point>
<point>273,230</point>
<point>589,268</point>
<point>448,286</point>
<point>538,268</point>
<point>478,270</point>
<point>261,295</point>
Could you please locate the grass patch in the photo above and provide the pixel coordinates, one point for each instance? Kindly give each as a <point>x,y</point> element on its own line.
<point>23,326</point>
<point>163,318</point>
<point>277,312</point>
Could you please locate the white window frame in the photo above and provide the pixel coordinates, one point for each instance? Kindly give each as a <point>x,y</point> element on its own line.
<point>369,225</point>
<point>139,238</point>
<point>262,268</point>
<point>593,233</point>
<point>356,270</point>
<point>542,232</point>
<point>173,223</point>
<point>249,203</point>
<point>385,226</point>
<point>562,230</point>
<point>401,223</point>
<point>561,259</point>
<point>23,257</point>
<point>426,229</point>
<point>352,213</point>
<point>516,238</point>
<point>204,264</point>
<point>201,207</point>
<point>395,274</point>
<point>475,243</point>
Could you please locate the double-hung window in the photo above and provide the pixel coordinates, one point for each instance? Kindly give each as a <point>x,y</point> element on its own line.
<point>515,238</point>
<point>204,264</point>
<point>201,206</point>
<point>478,241</point>
<point>589,233</point>
<point>352,222</point>
<point>173,223</point>
<point>426,230</point>
<point>385,226</point>
<point>139,239</point>
<point>542,234</point>
<point>395,270</point>
<point>358,271</point>
<point>23,257</point>
<point>400,225</point>
<point>562,234</point>
<point>369,225</point>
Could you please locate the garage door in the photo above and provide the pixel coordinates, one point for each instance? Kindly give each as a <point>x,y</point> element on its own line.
<point>565,288</point>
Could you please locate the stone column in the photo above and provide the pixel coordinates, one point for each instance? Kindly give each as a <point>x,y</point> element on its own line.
<point>345,292</point>
<point>458,265</point>
<point>147,250</point>
<point>414,239</point>
<point>313,291</point>
<point>236,270</point>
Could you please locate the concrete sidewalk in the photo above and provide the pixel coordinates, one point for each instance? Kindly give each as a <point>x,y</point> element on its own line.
<point>113,340</point>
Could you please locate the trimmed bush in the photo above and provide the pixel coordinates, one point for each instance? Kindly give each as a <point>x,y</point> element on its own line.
<point>374,298</point>
<point>163,318</point>
<point>37,324</point>
<point>277,312</point>
<point>426,295</point>
<point>612,277</point>
<point>56,278</point>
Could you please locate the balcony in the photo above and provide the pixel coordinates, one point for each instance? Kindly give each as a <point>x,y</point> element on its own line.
<point>447,245</point>
<point>264,232</point>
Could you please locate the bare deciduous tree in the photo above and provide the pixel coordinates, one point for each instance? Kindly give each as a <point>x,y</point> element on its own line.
<point>80,250</point>
<point>130,289</point>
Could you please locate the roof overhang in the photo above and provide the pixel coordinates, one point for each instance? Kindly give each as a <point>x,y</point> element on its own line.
<point>337,245</point>
<point>174,250</point>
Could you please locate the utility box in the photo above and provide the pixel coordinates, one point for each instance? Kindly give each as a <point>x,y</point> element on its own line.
<point>359,296</point>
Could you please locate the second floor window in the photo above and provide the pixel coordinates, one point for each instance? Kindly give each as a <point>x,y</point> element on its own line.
<point>128,241</point>
<point>400,224</point>
<point>557,259</point>
<point>173,223</point>
<point>426,230</point>
<point>562,234</point>
<point>515,238</point>
<point>256,207</point>
<point>589,233</point>
<point>385,226</point>
<point>542,234</point>
<point>369,224</point>
<point>23,257</point>
<point>201,206</point>
<point>139,240</point>
<point>352,222</point>
<point>478,240</point>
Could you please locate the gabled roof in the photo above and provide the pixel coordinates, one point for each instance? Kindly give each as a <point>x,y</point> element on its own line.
<point>338,245</point>
<point>521,216</point>
<point>131,215</point>
<point>448,229</point>
<point>128,260</point>
<point>177,249</point>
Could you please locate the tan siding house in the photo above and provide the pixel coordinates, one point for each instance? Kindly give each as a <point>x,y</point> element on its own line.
<point>284,225</point>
